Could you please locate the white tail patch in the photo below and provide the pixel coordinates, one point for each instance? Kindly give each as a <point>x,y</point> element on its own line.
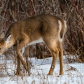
<point>8,39</point>
<point>60,27</point>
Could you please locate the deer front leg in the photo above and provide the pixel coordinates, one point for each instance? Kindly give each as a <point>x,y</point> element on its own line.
<point>18,66</point>
<point>19,47</point>
<point>55,57</point>
<point>22,60</point>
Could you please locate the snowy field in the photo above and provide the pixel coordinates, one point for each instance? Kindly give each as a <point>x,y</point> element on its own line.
<point>73,73</point>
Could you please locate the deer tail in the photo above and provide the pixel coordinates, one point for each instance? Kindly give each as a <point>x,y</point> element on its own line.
<point>62,29</point>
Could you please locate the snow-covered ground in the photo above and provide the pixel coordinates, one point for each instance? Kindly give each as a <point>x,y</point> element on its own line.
<point>73,73</point>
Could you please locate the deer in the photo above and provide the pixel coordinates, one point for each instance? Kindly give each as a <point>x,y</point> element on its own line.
<point>48,28</point>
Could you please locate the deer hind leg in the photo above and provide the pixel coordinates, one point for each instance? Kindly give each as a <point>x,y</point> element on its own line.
<point>51,44</point>
<point>19,47</point>
<point>55,58</point>
<point>61,59</point>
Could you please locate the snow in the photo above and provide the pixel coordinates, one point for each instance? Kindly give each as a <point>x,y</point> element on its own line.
<point>73,73</point>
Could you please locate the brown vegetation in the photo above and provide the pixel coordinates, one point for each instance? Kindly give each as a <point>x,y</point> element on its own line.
<point>70,10</point>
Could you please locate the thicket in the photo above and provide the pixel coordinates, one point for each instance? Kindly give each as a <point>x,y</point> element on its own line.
<point>70,10</point>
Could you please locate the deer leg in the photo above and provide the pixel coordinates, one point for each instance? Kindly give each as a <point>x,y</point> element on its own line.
<point>22,60</point>
<point>52,45</point>
<point>18,66</point>
<point>55,58</point>
<point>61,61</point>
<point>20,46</point>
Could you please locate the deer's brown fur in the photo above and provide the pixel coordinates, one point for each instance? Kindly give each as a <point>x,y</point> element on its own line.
<point>44,26</point>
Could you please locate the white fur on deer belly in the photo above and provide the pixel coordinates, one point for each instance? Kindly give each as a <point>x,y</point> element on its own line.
<point>36,41</point>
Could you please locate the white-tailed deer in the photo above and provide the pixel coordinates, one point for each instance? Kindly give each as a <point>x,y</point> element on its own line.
<point>49,28</point>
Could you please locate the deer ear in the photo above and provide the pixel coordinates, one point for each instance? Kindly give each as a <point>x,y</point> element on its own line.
<point>8,39</point>
<point>2,35</point>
